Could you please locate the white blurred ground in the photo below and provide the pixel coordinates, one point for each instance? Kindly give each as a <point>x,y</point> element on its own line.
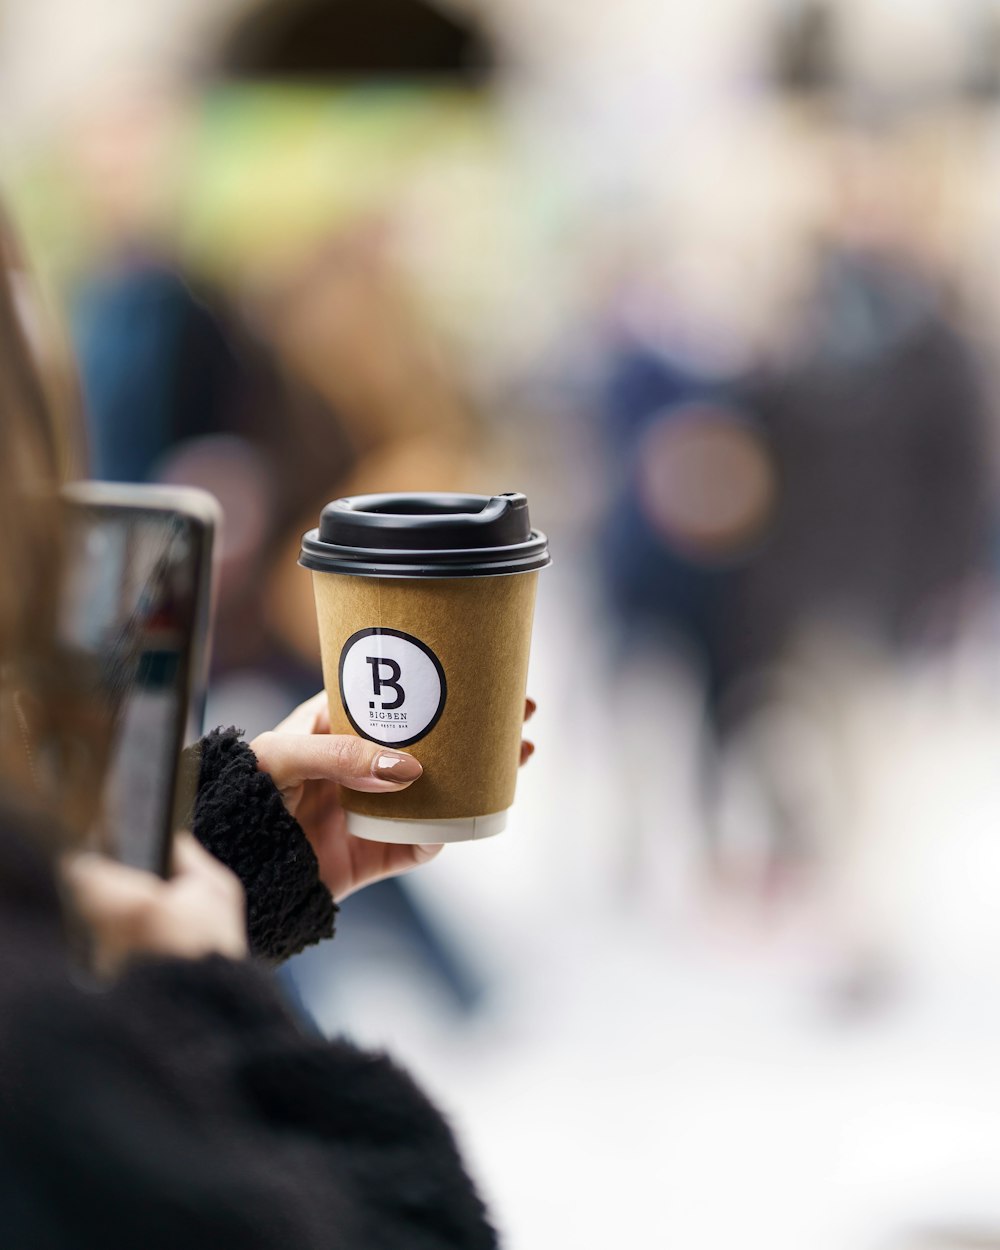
<point>661,1062</point>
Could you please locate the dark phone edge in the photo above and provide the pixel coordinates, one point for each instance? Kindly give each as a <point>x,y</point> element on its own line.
<point>197,656</point>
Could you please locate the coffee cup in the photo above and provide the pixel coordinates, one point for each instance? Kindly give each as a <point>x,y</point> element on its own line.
<point>425,605</point>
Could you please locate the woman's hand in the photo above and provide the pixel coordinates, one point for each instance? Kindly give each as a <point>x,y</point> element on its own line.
<point>199,911</point>
<point>308,764</point>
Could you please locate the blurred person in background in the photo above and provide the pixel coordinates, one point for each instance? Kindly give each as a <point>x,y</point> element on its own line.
<point>176,1100</point>
<point>691,505</point>
<point>878,425</point>
<point>304,373</point>
<point>692,500</point>
<point>301,373</point>
<point>877,419</point>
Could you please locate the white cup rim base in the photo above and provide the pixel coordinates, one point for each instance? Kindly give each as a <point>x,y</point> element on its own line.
<point>426,832</point>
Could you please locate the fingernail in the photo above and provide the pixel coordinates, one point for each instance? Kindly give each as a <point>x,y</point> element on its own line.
<point>393,766</point>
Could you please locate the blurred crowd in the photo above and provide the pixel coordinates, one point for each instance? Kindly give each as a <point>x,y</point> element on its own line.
<point>719,290</point>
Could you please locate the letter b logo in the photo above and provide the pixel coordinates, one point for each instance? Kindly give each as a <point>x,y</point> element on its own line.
<point>379,663</point>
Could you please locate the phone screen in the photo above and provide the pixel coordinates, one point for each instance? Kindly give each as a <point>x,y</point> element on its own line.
<point>133,607</point>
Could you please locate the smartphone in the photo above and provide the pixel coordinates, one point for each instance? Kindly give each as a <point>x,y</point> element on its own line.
<point>134,621</point>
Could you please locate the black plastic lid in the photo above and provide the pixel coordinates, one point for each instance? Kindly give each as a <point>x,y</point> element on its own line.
<point>425,535</point>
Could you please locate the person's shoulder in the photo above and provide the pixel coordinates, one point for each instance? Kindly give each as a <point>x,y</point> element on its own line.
<point>78,1054</point>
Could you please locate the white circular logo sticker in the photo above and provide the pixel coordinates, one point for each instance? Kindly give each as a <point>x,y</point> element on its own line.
<point>392,686</point>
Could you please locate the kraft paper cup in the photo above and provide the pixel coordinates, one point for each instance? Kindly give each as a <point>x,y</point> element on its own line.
<point>425,606</point>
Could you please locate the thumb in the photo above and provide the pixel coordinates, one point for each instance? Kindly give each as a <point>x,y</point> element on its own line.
<point>110,897</point>
<point>292,759</point>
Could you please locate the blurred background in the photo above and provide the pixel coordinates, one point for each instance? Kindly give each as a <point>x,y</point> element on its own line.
<point>717,286</point>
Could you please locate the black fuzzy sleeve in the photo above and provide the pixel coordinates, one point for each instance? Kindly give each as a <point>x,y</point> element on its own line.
<point>240,817</point>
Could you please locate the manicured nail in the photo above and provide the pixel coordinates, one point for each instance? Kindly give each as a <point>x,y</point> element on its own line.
<point>394,766</point>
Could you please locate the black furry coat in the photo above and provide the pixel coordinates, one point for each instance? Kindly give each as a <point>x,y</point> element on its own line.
<point>185,1107</point>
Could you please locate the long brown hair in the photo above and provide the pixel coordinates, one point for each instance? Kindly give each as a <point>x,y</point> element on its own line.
<point>38,447</point>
